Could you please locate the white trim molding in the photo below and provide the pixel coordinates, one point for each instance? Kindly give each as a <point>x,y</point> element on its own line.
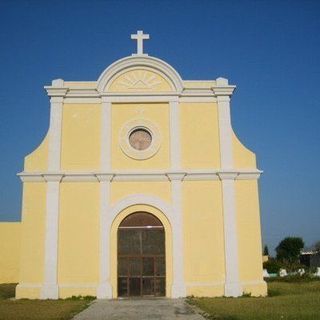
<point>136,175</point>
<point>190,175</point>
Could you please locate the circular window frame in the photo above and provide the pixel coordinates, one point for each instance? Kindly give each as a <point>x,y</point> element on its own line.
<point>142,124</point>
<point>140,131</point>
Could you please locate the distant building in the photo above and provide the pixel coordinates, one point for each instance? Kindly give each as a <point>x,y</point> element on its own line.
<point>310,258</point>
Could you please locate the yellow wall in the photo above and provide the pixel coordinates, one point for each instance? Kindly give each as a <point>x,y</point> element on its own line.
<point>10,237</point>
<point>249,235</point>
<point>32,237</point>
<point>199,136</point>
<point>168,245</point>
<point>158,114</point>
<point>78,261</point>
<point>79,232</point>
<point>243,158</point>
<point>122,189</point>
<point>81,135</point>
<point>203,237</point>
<point>38,159</point>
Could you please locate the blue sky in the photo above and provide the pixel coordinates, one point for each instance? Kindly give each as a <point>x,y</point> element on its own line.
<point>269,49</point>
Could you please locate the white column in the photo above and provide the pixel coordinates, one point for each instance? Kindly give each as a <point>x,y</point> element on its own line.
<point>233,286</point>
<point>104,290</point>
<point>175,149</point>
<point>49,288</point>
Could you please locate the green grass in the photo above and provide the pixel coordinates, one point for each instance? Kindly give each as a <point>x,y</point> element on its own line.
<point>25,309</point>
<point>286,301</point>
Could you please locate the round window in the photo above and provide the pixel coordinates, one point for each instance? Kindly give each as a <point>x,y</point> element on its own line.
<point>140,139</point>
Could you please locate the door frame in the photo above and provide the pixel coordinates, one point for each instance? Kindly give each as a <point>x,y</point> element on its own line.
<point>114,244</point>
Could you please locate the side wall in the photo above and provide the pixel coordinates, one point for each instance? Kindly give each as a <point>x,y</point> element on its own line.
<point>9,251</point>
<point>249,237</point>
<point>32,240</point>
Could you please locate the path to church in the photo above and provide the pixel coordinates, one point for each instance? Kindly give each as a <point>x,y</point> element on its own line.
<point>139,309</point>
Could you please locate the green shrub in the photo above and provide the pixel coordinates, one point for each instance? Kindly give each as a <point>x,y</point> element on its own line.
<point>272,266</point>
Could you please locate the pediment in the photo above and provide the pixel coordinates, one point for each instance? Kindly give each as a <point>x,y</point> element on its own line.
<point>138,74</point>
<point>140,80</point>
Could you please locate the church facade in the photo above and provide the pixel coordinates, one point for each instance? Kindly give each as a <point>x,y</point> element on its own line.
<point>140,188</point>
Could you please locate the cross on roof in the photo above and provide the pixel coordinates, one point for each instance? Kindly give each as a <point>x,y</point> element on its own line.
<point>140,36</point>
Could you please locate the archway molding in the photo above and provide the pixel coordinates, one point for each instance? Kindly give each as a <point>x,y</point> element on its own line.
<point>151,63</point>
<point>154,206</point>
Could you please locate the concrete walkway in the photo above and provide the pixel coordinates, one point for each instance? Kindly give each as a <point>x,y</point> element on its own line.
<point>139,309</point>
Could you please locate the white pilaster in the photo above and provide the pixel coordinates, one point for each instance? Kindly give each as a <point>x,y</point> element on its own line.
<point>49,288</point>
<point>225,132</point>
<point>178,285</point>
<point>106,135</point>
<point>233,286</point>
<point>55,134</point>
<point>175,148</point>
<point>104,290</point>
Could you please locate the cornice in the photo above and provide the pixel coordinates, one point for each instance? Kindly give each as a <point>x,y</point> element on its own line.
<point>223,91</point>
<point>56,92</point>
<point>89,93</point>
<point>183,89</point>
<point>155,175</point>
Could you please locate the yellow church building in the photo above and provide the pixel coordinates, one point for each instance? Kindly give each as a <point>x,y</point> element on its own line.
<point>140,188</point>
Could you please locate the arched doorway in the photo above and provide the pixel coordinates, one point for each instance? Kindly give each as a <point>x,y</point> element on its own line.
<point>141,256</point>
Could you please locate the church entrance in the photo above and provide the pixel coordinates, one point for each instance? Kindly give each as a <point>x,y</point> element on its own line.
<point>141,256</point>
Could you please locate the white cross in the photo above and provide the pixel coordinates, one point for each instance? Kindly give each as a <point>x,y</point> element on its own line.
<point>140,36</point>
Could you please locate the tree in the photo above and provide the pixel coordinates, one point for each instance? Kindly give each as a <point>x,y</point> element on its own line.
<point>265,251</point>
<point>317,246</point>
<point>289,249</point>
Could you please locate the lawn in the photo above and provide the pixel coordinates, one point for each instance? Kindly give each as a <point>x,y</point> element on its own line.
<point>37,309</point>
<point>286,301</point>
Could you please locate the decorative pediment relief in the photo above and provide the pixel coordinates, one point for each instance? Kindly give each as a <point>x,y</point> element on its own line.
<point>140,80</point>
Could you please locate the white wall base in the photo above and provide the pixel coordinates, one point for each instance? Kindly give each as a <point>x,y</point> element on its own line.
<point>178,291</point>
<point>233,289</point>
<point>49,291</point>
<point>104,291</point>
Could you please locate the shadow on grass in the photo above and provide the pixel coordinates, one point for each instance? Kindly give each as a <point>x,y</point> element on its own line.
<point>274,292</point>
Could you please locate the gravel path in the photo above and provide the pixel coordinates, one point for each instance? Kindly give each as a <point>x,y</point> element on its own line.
<point>139,309</point>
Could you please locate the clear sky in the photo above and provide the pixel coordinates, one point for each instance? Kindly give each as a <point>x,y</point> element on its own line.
<point>269,49</point>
